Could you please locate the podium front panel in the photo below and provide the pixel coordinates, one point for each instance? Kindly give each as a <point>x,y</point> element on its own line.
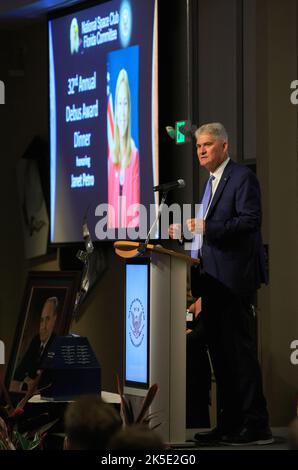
<point>166,339</point>
<point>137,327</point>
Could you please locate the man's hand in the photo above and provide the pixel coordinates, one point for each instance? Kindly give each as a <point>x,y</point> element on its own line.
<point>175,231</point>
<point>196,226</point>
<point>196,307</point>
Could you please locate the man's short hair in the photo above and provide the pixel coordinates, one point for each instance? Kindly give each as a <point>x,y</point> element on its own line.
<point>214,128</point>
<point>90,423</point>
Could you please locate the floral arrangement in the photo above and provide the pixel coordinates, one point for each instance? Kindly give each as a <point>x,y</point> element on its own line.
<point>11,422</point>
<point>143,416</point>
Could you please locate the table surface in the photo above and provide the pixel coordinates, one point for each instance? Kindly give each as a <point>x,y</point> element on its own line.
<point>108,397</point>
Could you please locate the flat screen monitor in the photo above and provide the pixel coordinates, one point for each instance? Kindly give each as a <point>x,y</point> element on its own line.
<point>103,115</point>
<point>137,326</point>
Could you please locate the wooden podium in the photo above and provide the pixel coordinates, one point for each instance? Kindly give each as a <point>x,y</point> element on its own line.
<point>167,337</point>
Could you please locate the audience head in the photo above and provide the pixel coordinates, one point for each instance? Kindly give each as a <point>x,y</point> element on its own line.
<point>90,423</point>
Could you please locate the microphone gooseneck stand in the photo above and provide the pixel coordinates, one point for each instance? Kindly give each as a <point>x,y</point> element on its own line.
<point>143,246</point>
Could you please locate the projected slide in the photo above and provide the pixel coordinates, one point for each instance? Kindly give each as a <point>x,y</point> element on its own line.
<point>103,119</point>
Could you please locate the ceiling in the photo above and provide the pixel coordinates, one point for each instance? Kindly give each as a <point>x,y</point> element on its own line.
<point>31,8</point>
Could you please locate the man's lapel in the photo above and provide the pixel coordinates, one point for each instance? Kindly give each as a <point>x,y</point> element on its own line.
<point>223,181</point>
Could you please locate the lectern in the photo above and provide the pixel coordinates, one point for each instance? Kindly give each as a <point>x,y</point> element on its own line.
<point>155,344</point>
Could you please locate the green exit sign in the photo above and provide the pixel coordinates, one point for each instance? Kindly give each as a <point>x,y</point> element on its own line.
<point>184,131</point>
<point>180,138</point>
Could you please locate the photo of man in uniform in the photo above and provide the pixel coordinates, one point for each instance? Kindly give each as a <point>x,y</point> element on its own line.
<point>27,369</point>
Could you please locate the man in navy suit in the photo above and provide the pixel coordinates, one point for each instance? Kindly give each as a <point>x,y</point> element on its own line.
<point>232,269</point>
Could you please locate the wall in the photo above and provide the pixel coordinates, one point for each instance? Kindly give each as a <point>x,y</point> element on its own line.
<point>277,162</point>
<point>22,68</point>
<point>247,58</point>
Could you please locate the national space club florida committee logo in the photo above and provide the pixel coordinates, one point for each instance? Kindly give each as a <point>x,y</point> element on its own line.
<point>125,24</point>
<point>136,318</point>
<point>74,36</point>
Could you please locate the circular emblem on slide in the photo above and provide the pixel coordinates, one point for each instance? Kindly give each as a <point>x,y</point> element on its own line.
<point>125,24</point>
<point>136,318</point>
<point>74,36</point>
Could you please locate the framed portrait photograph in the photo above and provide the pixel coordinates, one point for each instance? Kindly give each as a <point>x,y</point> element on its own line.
<point>46,311</point>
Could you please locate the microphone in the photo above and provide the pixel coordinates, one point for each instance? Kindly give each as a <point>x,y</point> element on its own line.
<point>143,246</point>
<point>179,184</point>
<point>164,188</point>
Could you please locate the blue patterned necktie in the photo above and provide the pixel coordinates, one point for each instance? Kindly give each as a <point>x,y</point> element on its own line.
<point>197,240</point>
